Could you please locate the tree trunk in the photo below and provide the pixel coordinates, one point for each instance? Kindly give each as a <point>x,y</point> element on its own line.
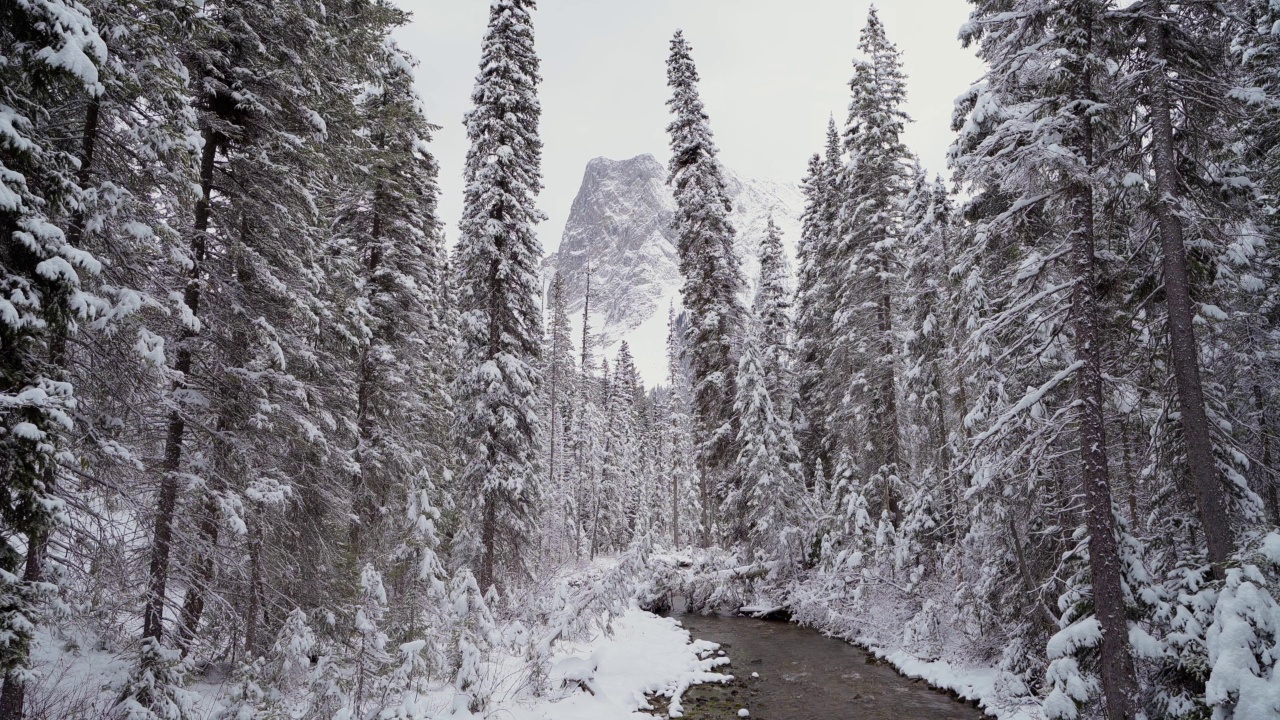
<point>1183,350</point>
<point>1115,664</point>
<point>675,505</point>
<point>363,508</point>
<point>704,494</point>
<point>489,540</point>
<point>1268,472</point>
<point>889,392</point>
<point>253,617</point>
<point>162,533</point>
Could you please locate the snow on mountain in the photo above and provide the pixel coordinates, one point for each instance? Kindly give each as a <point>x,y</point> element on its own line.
<point>619,227</point>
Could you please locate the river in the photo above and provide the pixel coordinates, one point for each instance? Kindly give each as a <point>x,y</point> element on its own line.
<point>804,675</point>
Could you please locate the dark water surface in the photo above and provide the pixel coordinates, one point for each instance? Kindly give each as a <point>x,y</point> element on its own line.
<point>807,676</point>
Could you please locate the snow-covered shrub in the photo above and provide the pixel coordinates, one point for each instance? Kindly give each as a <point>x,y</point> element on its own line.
<point>1244,639</point>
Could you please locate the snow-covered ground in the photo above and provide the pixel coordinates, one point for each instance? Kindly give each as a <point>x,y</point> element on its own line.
<point>640,654</point>
<point>645,654</point>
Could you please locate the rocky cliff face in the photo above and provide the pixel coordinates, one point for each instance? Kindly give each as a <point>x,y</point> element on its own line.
<point>619,227</point>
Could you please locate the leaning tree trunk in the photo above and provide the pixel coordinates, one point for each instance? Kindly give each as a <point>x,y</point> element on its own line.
<point>1184,351</point>
<point>162,532</point>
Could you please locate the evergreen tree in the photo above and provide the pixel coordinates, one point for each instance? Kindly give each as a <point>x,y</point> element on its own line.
<point>562,401</point>
<point>1048,190</point>
<point>51,50</point>
<point>772,307</point>
<point>929,339</point>
<point>769,461</point>
<point>390,259</point>
<point>712,280</point>
<point>497,428</point>
<point>682,490</point>
<point>817,363</point>
<point>870,229</point>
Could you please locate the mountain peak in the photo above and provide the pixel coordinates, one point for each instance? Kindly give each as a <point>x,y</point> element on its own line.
<point>620,229</point>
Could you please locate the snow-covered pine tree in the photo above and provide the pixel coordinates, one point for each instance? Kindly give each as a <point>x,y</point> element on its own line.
<point>772,309</point>
<point>870,228</point>
<point>1258,48</point>
<point>561,391</point>
<point>816,285</point>
<point>1028,152</point>
<point>369,658</point>
<point>473,632</point>
<point>768,460</point>
<point>926,305</point>
<point>497,427</point>
<point>1176,52</point>
<point>624,457</point>
<point>387,258</point>
<point>52,51</point>
<point>682,491</point>
<point>712,280</point>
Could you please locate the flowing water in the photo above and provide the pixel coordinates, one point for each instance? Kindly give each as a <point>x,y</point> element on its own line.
<point>804,675</point>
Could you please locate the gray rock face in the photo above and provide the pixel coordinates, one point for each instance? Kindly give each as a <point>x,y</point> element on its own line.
<point>619,228</point>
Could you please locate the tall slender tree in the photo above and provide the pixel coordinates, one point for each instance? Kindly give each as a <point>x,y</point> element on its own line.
<point>712,284</point>
<point>1038,157</point>
<point>498,427</point>
<point>870,228</point>
<point>52,51</point>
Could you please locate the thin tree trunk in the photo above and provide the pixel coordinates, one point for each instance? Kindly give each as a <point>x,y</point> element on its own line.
<point>889,390</point>
<point>951,494</point>
<point>362,504</point>
<point>675,504</point>
<point>162,532</point>
<point>1184,351</point>
<point>705,496</point>
<point>1116,663</point>
<point>1264,437</point>
<point>253,617</point>
<point>489,540</point>
<point>194,600</point>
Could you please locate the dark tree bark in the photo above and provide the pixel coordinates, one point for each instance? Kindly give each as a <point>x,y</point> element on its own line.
<point>162,532</point>
<point>1115,663</point>
<point>1183,350</point>
<point>889,396</point>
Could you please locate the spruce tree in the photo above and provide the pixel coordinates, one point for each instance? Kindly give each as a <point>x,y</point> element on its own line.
<point>768,459</point>
<point>52,51</point>
<point>772,308</point>
<point>498,427</point>
<point>561,390</point>
<point>712,278</point>
<point>818,278</point>
<point>1030,151</point>
<point>870,228</point>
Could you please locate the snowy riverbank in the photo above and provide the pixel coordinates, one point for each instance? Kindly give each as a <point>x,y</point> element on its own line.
<point>645,654</point>
<point>640,654</point>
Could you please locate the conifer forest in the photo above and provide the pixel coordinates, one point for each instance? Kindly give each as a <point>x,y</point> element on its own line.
<point>280,440</point>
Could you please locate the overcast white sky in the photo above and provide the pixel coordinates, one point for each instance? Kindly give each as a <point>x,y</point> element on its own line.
<point>772,71</point>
